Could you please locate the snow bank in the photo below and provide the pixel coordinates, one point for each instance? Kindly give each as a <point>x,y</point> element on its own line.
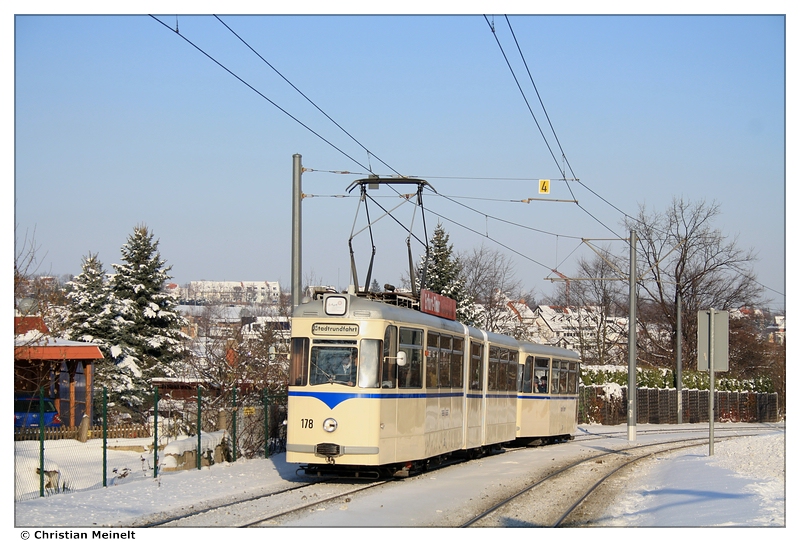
<point>27,477</point>
<point>174,454</point>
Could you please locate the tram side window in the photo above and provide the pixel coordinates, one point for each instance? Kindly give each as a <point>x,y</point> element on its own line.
<point>494,361</point>
<point>410,374</point>
<point>457,363</point>
<point>502,370</point>
<point>554,377</point>
<point>389,373</point>
<point>572,385</point>
<point>559,377</point>
<point>445,346</point>
<point>432,361</point>
<point>526,386</point>
<point>563,376</point>
<point>513,369</point>
<point>541,374</point>
<point>298,372</point>
<point>476,366</point>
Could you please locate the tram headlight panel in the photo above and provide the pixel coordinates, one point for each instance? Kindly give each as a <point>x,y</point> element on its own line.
<point>335,305</point>
<point>330,425</point>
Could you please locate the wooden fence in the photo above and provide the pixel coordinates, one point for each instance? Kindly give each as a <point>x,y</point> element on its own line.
<point>661,406</point>
<point>58,433</point>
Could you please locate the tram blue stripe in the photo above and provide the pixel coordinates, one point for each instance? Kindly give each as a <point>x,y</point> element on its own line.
<point>332,399</point>
<point>547,397</point>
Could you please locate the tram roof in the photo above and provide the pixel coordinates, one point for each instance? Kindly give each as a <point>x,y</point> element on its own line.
<point>359,307</point>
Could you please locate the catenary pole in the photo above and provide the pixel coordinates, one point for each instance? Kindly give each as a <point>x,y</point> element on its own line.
<point>632,343</point>
<point>297,197</point>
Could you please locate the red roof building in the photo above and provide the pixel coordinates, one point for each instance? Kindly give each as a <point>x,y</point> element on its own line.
<point>63,368</point>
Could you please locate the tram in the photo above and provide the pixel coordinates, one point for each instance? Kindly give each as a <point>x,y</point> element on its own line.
<point>387,384</point>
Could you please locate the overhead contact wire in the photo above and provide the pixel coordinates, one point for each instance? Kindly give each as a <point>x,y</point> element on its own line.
<point>187,40</point>
<point>514,75</point>
<point>541,132</point>
<point>369,152</point>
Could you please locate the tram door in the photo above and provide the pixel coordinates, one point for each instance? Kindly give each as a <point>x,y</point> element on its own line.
<point>475,411</point>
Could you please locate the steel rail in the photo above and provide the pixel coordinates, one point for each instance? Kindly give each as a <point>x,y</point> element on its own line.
<point>593,458</point>
<point>315,503</point>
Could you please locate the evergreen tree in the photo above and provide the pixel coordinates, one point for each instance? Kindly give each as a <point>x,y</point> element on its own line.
<point>91,319</point>
<point>148,340</point>
<point>444,275</point>
<point>88,294</point>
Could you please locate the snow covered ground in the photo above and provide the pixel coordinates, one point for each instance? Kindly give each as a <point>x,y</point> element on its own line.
<point>742,484</point>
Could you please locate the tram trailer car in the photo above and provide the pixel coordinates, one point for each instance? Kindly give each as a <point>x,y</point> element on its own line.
<point>547,394</point>
<point>381,389</point>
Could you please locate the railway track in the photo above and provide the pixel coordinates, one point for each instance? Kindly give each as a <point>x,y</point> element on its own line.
<point>188,518</point>
<point>551,497</point>
<point>584,434</point>
<point>266,510</point>
<point>566,496</point>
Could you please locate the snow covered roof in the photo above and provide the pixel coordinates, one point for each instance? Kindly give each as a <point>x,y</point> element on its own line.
<point>34,345</point>
<point>33,341</point>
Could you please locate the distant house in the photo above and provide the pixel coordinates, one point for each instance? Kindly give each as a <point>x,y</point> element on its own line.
<point>63,368</point>
<point>234,292</point>
<point>776,332</point>
<point>576,328</point>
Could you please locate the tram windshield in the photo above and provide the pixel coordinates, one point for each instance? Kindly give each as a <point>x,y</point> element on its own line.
<point>340,363</point>
<point>333,364</point>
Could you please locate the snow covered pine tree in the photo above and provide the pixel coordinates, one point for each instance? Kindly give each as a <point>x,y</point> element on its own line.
<point>90,317</point>
<point>148,341</point>
<point>444,275</point>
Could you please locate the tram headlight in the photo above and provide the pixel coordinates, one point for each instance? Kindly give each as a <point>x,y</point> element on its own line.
<point>330,425</point>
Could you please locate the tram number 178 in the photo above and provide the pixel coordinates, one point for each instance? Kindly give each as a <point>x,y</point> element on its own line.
<point>307,423</point>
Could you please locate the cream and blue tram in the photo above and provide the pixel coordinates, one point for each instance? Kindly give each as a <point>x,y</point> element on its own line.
<point>547,405</point>
<point>424,387</point>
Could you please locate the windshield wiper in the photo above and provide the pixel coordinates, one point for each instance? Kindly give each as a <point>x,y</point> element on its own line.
<point>330,377</point>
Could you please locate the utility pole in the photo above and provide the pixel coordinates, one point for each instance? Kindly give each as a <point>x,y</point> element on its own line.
<point>632,343</point>
<point>297,238</point>
<point>679,354</point>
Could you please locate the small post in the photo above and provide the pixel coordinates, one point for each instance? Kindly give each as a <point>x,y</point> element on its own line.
<point>234,424</point>
<point>266,421</point>
<point>41,441</point>
<point>711,382</point>
<point>155,432</point>
<point>199,427</point>
<point>265,403</point>
<point>105,436</point>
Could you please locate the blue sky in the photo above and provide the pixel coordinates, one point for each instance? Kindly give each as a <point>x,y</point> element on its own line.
<point>119,121</point>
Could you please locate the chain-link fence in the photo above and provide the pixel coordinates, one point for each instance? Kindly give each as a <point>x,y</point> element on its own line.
<point>178,434</point>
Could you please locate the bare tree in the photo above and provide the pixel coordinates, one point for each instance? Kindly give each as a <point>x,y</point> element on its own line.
<point>491,282</point>
<point>241,350</point>
<point>36,293</point>
<point>680,252</point>
<point>600,301</point>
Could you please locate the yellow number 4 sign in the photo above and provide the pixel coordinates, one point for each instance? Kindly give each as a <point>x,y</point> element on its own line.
<point>544,186</point>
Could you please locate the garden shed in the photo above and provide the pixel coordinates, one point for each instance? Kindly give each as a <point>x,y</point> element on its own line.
<point>63,368</point>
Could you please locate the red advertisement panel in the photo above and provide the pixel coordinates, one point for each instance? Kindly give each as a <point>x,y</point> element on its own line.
<point>436,304</point>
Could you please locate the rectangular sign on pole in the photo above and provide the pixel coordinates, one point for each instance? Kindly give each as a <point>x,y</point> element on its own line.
<point>720,346</point>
